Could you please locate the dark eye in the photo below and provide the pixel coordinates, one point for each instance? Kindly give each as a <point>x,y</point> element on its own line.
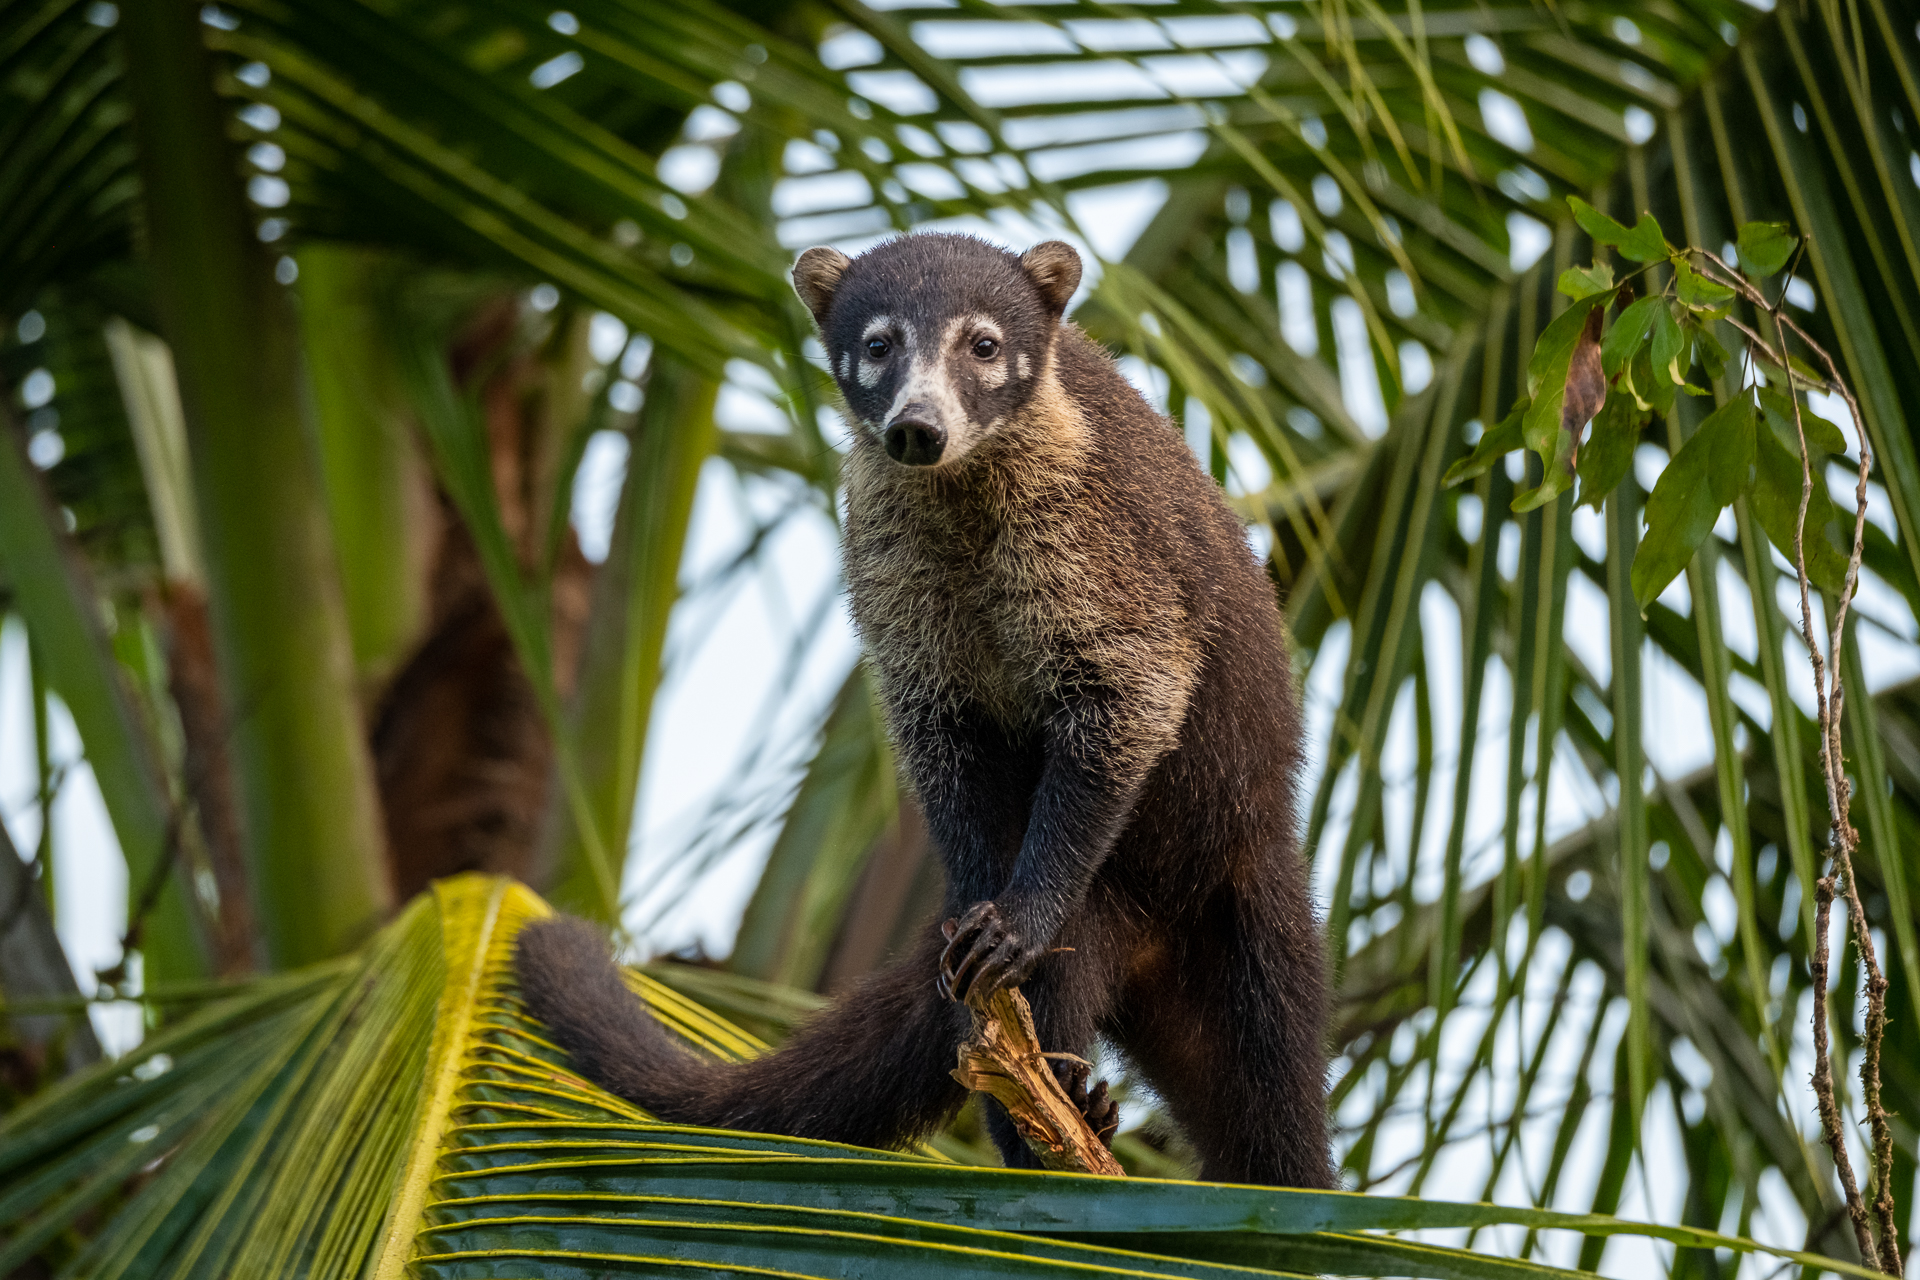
<point>877,348</point>
<point>986,348</point>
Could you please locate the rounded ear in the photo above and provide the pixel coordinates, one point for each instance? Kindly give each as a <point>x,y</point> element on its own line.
<point>816,276</point>
<point>1054,268</point>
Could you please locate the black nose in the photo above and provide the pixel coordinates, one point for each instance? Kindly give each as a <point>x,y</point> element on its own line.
<point>914,439</point>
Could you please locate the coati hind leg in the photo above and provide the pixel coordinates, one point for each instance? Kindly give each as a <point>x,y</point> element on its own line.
<point>870,1070</point>
<point>1228,1031</point>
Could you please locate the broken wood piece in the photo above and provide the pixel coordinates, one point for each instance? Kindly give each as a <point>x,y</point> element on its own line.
<point>1003,1059</point>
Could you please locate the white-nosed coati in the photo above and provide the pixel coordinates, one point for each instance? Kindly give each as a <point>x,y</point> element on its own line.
<point>1086,679</point>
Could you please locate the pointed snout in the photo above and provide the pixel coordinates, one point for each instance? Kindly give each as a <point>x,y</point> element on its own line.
<point>915,436</point>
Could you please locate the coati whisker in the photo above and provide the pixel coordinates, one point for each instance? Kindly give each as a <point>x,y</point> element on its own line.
<point>1085,678</point>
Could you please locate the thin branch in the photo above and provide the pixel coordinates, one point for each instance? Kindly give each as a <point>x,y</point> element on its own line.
<point>1844,840</point>
<point>1823,1073</point>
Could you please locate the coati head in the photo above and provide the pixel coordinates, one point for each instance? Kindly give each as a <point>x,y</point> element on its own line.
<point>937,340</point>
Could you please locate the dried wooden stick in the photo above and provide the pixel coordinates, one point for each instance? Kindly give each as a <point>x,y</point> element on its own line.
<point>1003,1060</point>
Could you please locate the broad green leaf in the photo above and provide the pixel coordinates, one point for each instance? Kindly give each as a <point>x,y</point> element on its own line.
<point>1707,349</point>
<point>1729,433</point>
<point>1696,290</point>
<point>1494,443</point>
<point>1628,331</point>
<point>1643,243</point>
<point>1669,345</point>
<point>1556,479</point>
<point>1601,227</point>
<point>1608,453</point>
<point>1584,282</point>
<point>1582,393</point>
<point>1547,368</point>
<point>1564,375</point>
<point>1827,539</point>
<point>1765,247</point>
<point>1713,467</point>
<point>1822,436</point>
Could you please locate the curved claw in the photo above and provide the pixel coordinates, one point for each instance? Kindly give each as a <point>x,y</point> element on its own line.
<point>1101,1111</point>
<point>983,954</point>
<point>1103,1114</point>
<point>1073,1078</point>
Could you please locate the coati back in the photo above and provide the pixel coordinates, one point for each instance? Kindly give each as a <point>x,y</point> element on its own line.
<point>1085,677</point>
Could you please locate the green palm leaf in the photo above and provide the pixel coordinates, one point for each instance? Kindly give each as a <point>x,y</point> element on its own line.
<point>397,1112</point>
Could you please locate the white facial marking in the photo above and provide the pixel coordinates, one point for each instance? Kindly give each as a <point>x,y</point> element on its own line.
<point>1020,363</point>
<point>846,365</point>
<point>929,381</point>
<point>979,326</point>
<point>992,373</point>
<point>871,370</point>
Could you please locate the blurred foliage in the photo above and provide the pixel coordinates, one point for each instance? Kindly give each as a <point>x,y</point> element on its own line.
<point>1541,963</point>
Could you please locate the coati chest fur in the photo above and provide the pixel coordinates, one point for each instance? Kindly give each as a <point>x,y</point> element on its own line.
<point>1085,678</point>
<point>1020,578</point>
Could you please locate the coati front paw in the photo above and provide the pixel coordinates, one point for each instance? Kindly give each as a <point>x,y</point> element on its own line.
<point>1101,1111</point>
<point>984,954</point>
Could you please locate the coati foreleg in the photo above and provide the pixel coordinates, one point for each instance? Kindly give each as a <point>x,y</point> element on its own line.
<point>1024,823</point>
<point>870,1070</point>
<point>1099,746</point>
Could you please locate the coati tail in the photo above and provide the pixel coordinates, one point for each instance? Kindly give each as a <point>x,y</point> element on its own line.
<point>569,980</point>
<point>870,1070</point>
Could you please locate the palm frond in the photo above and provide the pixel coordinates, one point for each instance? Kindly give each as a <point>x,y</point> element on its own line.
<point>397,1112</point>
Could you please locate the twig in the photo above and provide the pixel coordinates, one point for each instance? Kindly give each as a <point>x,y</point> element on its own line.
<point>1844,840</point>
<point>1823,1072</point>
<point>1003,1059</point>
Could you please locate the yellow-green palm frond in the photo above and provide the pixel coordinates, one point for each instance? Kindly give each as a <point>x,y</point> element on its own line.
<point>399,1113</point>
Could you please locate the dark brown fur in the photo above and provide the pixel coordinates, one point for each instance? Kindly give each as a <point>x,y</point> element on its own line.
<point>1086,678</point>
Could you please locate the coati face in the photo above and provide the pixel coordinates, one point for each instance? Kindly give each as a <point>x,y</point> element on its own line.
<point>937,340</point>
